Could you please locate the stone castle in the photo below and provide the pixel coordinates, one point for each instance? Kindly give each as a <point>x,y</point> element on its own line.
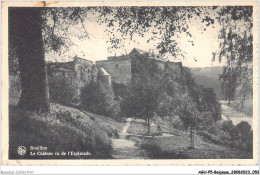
<point>123,68</point>
<point>116,72</point>
<point>78,73</point>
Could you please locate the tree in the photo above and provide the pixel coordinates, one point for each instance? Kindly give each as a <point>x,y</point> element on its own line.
<point>243,129</point>
<point>229,127</point>
<point>164,23</point>
<point>236,46</point>
<point>189,116</point>
<point>26,37</point>
<point>228,79</point>
<point>27,29</point>
<point>210,103</point>
<point>204,98</point>
<point>31,27</point>
<point>145,95</point>
<point>193,89</point>
<point>99,100</point>
<point>153,91</point>
<point>61,90</point>
<point>244,135</point>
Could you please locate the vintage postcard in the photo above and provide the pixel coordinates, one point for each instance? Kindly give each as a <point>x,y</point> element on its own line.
<point>129,83</point>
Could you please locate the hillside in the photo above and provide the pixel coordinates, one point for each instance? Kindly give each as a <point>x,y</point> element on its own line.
<point>208,77</point>
<point>64,129</point>
<point>67,129</point>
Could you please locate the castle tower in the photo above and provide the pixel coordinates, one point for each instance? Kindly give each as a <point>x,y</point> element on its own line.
<point>104,78</point>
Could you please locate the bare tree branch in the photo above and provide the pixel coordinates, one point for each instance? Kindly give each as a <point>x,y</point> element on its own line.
<point>82,23</point>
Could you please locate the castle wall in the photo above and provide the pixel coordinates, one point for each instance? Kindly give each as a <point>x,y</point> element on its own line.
<point>143,65</point>
<point>85,71</point>
<point>78,73</point>
<point>120,70</point>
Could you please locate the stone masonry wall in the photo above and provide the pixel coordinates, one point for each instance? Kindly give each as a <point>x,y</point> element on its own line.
<point>120,70</point>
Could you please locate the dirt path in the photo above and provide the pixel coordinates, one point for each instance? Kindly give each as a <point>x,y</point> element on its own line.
<point>126,149</point>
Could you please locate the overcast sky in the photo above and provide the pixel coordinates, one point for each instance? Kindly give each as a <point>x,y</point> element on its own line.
<point>95,48</point>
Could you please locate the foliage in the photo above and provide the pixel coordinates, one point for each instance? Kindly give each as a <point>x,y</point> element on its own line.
<point>156,152</point>
<point>229,127</point>
<point>236,46</point>
<point>206,118</point>
<point>243,130</point>
<point>165,23</point>
<point>123,23</point>
<point>204,98</point>
<point>144,97</point>
<point>57,30</point>
<point>58,133</point>
<point>176,122</point>
<point>228,79</point>
<point>61,90</point>
<point>193,88</point>
<point>188,113</point>
<point>97,99</point>
<point>65,116</point>
<point>165,94</point>
<point>226,133</point>
<point>211,103</point>
<point>152,91</point>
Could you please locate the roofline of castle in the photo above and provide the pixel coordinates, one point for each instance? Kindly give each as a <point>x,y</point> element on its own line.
<point>122,59</point>
<point>138,54</point>
<point>180,63</point>
<point>74,58</point>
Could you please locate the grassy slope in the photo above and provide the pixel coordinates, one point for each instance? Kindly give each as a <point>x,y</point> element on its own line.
<point>176,146</point>
<point>77,132</point>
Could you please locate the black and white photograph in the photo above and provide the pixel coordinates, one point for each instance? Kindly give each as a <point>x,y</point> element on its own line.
<point>134,82</point>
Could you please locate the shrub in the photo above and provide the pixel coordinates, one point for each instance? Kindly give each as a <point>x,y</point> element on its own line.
<point>65,116</point>
<point>226,133</point>
<point>224,137</point>
<point>245,135</point>
<point>229,127</point>
<point>99,100</point>
<point>155,152</point>
<point>206,118</point>
<point>212,129</point>
<point>243,129</point>
<point>61,90</point>
<point>177,123</point>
